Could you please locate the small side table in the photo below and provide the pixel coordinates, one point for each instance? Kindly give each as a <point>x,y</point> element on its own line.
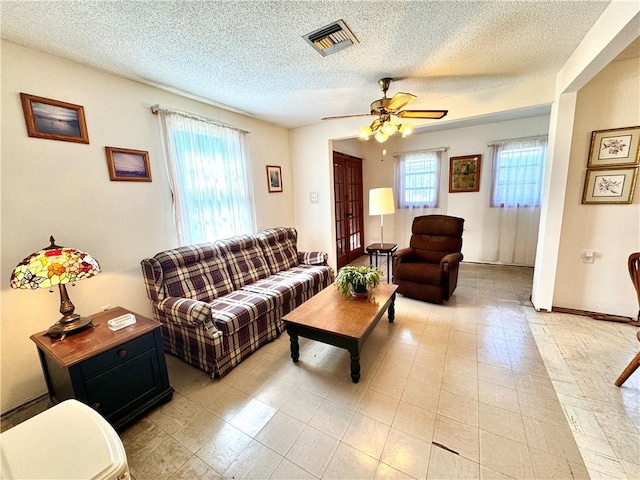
<point>120,374</point>
<point>382,249</point>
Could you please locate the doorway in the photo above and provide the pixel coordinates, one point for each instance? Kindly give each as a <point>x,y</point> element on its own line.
<point>347,185</point>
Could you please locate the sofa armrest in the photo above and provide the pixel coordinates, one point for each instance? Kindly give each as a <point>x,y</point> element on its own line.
<point>185,311</point>
<point>313,258</point>
<point>450,259</point>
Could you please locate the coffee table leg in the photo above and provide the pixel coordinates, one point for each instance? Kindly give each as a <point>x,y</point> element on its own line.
<point>391,311</point>
<point>355,363</point>
<point>293,338</point>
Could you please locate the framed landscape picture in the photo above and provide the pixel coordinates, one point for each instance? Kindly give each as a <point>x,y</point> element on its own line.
<point>274,178</point>
<point>609,185</point>
<point>464,173</point>
<point>616,147</point>
<point>54,120</point>
<point>126,165</point>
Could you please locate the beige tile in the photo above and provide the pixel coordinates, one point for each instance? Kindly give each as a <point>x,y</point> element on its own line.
<point>462,366</point>
<point>332,419</point>
<point>390,385</point>
<point>421,395</point>
<point>552,439</point>
<point>280,433</point>
<point>276,392</point>
<point>583,421</point>
<point>407,454</point>
<point>505,456</point>
<point>385,472</point>
<point>161,462</point>
<point>223,448</point>
<point>228,403</point>
<point>489,474</point>
<point>140,438</point>
<point>346,393</point>
<point>415,421</point>
<point>498,396</point>
<point>198,430</point>
<point>196,469</point>
<point>378,406</point>
<point>256,461</point>
<point>348,463</point>
<point>428,374</point>
<point>253,416</point>
<point>366,434</point>
<point>287,470</point>
<point>302,405</point>
<point>496,375</point>
<point>550,467</point>
<point>174,415</point>
<point>459,437</point>
<point>460,385</point>
<point>446,465</point>
<point>502,422</point>
<point>459,408</point>
<point>312,451</point>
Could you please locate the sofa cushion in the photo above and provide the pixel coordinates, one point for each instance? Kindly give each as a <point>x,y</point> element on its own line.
<point>282,288</point>
<point>280,248</point>
<point>235,310</point>
<point>312,275</point>
<point>245,259</point>
<point>419,272</point>
<point>197,272</point>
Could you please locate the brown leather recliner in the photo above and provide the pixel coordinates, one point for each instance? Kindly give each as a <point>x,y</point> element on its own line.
<point>428,269</point>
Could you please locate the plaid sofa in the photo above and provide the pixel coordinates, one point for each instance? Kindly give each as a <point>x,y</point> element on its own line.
<point>219,302</point>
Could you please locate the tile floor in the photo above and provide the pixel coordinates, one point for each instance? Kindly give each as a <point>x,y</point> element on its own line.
<point>483,387</point>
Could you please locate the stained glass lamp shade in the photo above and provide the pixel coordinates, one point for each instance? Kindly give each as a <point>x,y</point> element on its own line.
<point>53,266</point>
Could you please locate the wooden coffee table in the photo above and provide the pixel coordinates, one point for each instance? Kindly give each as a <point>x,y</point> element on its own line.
<point>344,322</point>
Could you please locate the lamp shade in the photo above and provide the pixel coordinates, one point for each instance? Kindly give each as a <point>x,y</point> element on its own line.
<point>381,201</point>
<point>52,266</point>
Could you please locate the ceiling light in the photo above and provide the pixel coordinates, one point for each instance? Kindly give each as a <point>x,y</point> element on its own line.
<point>382,128</point>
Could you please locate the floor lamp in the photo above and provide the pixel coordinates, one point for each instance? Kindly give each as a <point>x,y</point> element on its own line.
<point>381,203</point>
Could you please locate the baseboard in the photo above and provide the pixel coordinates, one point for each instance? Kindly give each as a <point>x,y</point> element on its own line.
<point>597,316</point>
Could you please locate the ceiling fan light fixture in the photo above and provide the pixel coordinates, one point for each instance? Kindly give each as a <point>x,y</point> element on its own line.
<point>405,130</point>
<point>365,133</point>
<point>381,137</point>
<point>389,127</point>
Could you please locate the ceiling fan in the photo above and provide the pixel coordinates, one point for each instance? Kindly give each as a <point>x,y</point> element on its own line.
<point>384,108</point>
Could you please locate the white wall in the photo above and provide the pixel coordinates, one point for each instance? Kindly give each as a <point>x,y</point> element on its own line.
<point>481,221</point>
<point>609,100</point>
<point>63,189</point>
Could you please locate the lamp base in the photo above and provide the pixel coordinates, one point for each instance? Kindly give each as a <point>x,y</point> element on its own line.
<point>65,326</point>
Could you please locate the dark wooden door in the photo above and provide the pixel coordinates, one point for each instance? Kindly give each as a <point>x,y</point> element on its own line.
<point>347,183</point>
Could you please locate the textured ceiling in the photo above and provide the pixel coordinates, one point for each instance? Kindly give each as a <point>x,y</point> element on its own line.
<point>250,55</point>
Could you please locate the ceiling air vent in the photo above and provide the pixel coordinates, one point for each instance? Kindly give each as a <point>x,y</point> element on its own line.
<point>331,38</point>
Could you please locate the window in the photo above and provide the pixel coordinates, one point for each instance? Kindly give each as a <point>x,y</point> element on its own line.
<point>418,179</point>
<point>518,168</point>
<point>208,178</point>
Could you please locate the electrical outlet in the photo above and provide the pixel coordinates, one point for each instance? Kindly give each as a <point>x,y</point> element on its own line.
<point>105,308</point>
<point>588,256</point>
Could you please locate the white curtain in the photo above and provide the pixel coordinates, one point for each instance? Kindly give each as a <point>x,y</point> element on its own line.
<point>518,170</point>
<point>418,188</point>
<point>208,176</point>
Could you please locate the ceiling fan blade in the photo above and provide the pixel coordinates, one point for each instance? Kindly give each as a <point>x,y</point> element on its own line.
<point>399,100</point>
<point>347,116</point>
<point>433,114</point>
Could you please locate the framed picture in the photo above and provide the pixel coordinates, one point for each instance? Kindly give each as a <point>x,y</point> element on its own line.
<point>54,120</point>
<point>616,147</point>
<point>609,185</point>
<point>126,165</point>
<point>464,173</point>
<point>274,178</point>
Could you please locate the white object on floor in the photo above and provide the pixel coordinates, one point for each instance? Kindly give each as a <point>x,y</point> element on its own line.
<point>68,441</point>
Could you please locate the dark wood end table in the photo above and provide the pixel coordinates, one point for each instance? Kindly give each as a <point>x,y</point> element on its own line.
<point>382,249</point>
<point>121,374</point>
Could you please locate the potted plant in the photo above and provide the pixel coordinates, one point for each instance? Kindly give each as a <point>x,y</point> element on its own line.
<point>355,280</point>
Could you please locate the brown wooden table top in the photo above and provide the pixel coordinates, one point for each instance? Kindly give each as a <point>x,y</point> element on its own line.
<point>93,340</point>
<point>332,312</point>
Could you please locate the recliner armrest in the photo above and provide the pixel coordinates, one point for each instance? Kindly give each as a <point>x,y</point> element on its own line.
<point>402,255</point>
<point>451,258</point>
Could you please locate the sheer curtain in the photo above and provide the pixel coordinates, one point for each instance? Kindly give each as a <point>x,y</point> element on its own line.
<point>518,170</point>
<point>418,180</point>
<point>208,176</point>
